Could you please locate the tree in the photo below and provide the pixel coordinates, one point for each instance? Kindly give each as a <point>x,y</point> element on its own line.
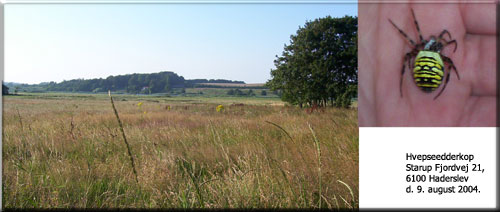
<point>133,86</point>
<point>263,93</point>
<point>251,93</point>
<point>319,67</point>
<point>238,92</point>
<point>5,90</point>
<point>166,82</point>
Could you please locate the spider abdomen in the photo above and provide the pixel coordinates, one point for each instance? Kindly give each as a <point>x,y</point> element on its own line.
<point>428,71</point>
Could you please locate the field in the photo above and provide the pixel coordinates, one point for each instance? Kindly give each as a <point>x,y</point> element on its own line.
<point>67,150</point>
<point>234,84</point>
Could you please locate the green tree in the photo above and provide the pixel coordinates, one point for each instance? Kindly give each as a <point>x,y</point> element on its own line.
<point>5,90</point>
<point>97,90</point>
<point>319,66</point>
<point>251,93</point>
<point>263,93</point>
<point>133,86</point>
<point>238,92</point>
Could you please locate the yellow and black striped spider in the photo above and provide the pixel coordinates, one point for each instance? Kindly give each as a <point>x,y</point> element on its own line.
<point>428,70</point>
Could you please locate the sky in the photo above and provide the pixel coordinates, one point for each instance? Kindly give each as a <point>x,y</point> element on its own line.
<point>56,42</point>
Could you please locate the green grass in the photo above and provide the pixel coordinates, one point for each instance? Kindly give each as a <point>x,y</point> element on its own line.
<point>69,152</point>
<point>161,98</point>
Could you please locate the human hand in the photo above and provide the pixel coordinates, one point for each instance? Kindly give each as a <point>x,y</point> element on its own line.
<point>470,101</point>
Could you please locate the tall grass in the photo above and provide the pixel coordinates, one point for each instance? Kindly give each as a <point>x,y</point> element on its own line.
<point>281,128</point>
<point>20,119</point>
<point>123,135</point>
<point>190,156</point>
<point>318,148</point>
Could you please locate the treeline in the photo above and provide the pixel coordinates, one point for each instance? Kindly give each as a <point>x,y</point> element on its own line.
<point>130,83</point>
<point>238,92</point>
<point>162,82</point>
<point>195,81</point>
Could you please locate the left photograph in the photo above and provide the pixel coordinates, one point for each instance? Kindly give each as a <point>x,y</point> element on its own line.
<point>180,106</point>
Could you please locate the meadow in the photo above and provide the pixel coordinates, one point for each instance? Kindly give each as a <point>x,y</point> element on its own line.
<point>67,150</point>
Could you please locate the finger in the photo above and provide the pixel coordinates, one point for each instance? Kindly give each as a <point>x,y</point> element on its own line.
<point>480,64</point>
<point>482,112</point>
<point>367,63</point>
<point>479,18</point>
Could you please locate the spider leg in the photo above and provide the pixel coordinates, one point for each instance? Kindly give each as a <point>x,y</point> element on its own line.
<point>449,61</point>
<point>449,42</point>
<point>408,58</point>
<point>445,83</point>
<point>418,28</point>
<point>440,37</point>
<point>444,32</point>
<point>411,63</point>
<point>451,66</point>
<point>403,33</point>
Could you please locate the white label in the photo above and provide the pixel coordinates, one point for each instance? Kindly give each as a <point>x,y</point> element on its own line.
<point>427,167</point>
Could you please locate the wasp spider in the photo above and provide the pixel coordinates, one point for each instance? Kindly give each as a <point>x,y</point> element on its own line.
<point>428,68</point>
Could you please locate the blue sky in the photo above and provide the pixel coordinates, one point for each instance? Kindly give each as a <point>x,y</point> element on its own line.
<point>56,42</point>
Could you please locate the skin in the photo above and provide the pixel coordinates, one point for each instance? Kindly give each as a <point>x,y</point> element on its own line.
<point>470,101</point>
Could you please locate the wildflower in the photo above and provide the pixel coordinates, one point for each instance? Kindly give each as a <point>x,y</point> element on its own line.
<point>219,108</point>
<point>139,104</point>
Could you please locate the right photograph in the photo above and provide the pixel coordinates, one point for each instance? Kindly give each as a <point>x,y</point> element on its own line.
<point>427,65</point>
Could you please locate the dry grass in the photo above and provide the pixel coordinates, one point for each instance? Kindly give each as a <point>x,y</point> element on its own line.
<point>69,153</point>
